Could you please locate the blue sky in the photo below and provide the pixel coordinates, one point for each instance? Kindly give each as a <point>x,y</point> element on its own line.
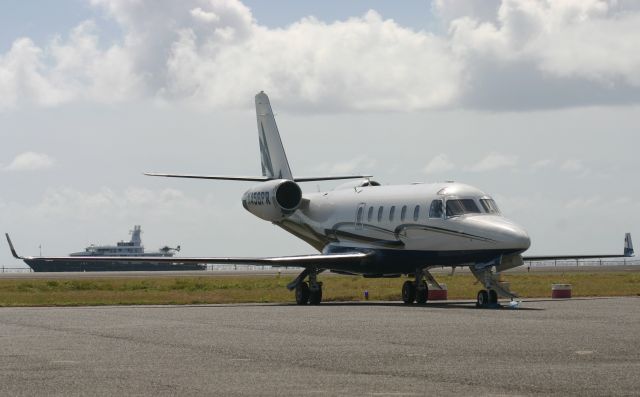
<point>41,20</point>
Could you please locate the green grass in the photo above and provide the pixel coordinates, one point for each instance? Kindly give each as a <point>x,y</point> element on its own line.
<point>242,289</point>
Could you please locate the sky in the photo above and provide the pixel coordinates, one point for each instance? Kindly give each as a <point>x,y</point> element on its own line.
<point>535,102</point>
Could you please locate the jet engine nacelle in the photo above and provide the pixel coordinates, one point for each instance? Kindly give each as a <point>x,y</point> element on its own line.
<point>273,200</point>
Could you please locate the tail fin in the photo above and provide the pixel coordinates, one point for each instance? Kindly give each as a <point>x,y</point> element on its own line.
<point>274,159</point>
<point>628,245</point>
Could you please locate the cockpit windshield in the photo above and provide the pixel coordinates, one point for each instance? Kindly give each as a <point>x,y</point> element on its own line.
<point>457,207</point>
<point>489,206</point>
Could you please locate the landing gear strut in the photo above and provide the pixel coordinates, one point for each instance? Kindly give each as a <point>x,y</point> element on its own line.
<point>310,292</point>
<point>415,291</point>
<point>315,288</point>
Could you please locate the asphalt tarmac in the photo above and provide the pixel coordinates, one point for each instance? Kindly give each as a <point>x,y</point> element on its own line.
<point>568,347</point>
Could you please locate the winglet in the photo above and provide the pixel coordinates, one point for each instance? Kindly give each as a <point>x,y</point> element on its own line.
<point>628,245</point>
<point>13,250</point>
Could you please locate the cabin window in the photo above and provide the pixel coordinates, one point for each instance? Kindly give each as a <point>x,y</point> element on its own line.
<point>380,213</point>
<point>359,216</point>
<point>416,213</point>
<point>370,214</point>
<point>457,207</point>
<point>392,213</point>
<point>403,213</point>
<point>489,206</point>
<point>435,211</point>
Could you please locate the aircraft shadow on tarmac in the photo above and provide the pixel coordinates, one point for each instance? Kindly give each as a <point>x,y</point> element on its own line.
<point>439,305</point>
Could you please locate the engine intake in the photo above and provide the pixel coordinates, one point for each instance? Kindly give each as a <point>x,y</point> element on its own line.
<point>273,200</point>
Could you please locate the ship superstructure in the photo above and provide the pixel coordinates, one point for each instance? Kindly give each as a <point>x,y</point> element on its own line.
<point>131,248</point>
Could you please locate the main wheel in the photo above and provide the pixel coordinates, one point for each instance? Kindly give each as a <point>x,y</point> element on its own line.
<point>302,293</point>
<point>422,294</point>
<point>408,292</point>
<point>315,296</point>
<point>493,297</point>
<point>483,298</point>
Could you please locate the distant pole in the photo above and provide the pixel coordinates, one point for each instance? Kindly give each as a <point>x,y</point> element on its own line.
<point>40,247</point>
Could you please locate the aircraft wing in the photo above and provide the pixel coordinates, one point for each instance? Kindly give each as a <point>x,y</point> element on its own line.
<point>318,260</point>
<point>628,252</point>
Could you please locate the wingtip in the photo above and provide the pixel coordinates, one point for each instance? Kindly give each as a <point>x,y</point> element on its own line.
<point>13,250</point>
<point>628,245</point>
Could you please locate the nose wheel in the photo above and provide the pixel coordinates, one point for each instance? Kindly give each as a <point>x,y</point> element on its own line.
<point>487,298</point>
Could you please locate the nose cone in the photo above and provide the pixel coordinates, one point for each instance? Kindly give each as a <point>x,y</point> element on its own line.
<point>505,234</point>
<point>511,234</point>
<point>519,238</point>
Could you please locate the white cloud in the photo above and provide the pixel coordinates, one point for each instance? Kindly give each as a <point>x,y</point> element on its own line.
<point>361,164</point>
<point>494,161</point>
<point>572,165</point>
<point>204,16</point>
<point>132,203</point>
<point>30,161</point>
<point>438,164</point>
<point>582,203</point>
<point>213,53</point>
<point>541,164</point>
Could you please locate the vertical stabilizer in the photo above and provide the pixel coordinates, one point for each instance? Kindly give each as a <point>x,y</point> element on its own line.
<point>274,159</point>
<point>628,245</point>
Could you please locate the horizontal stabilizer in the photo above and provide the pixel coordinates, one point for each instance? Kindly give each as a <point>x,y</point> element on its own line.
<point>257,178</point>
<point>218,177</point>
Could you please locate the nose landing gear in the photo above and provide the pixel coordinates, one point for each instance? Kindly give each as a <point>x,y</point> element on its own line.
<point>488,298</point>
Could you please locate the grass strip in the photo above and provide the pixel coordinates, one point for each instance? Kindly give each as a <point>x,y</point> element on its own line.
<point>245,289</point>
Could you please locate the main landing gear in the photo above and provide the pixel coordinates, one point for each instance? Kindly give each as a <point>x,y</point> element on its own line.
<point>310,292</point>
<point>415,291</point>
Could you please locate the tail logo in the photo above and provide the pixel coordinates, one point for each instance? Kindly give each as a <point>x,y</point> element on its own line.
<point>267,165</point>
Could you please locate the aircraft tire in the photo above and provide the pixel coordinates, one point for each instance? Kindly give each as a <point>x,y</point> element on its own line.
<point>315,297</point>
<point>408,292</point>
<point>422,294</point>
<point>493,297</point>
<point>483,298</point>
<point>302,293</point>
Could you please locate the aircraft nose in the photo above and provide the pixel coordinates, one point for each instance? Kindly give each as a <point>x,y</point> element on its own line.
<point>508,233</point>
<point>520,238</point>
<point>514,235</point>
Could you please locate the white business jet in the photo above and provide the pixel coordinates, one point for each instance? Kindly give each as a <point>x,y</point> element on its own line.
<point>363,228</point>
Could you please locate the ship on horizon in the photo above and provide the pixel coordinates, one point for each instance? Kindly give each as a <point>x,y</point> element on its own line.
<point>131,248</point>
